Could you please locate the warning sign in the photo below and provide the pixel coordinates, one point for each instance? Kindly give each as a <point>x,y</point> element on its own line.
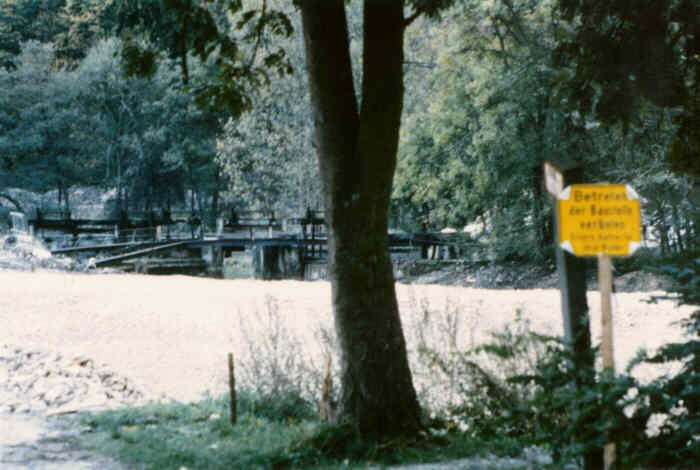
<point>599,219</point>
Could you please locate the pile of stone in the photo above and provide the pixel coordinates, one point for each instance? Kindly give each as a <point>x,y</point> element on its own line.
<point>34,381</point>
<point>24,253</point>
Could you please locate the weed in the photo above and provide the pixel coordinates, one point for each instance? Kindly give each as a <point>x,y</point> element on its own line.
<point>283,380</point>
<point>199,436</point>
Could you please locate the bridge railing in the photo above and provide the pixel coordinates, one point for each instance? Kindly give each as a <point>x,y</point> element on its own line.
<point>53,214</point>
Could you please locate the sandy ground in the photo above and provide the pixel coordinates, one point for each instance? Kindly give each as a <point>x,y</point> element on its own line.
<point>171,335</point>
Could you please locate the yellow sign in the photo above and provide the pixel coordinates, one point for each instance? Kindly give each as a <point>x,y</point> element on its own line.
<point>599,219</point>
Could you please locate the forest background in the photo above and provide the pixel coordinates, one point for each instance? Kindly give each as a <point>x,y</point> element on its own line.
<point>483,109</point>
<point>491,91</point>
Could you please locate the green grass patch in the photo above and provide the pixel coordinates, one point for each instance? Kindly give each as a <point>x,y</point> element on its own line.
<point>200,436</point>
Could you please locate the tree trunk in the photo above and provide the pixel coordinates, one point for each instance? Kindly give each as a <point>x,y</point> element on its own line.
<point>357,158</point>
<point>663,229</point>
<point>543,229</point>
<point>215,196</point>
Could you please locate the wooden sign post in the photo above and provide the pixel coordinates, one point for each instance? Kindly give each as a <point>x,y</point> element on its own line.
<point>574,303</point>
<point>606,340</point>
<point>601,220</point>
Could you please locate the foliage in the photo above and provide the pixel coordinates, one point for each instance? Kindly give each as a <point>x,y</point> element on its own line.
<point>572,410</point>
<point>267,153</point>
<point>274,366</point>
<point>199,435</point>
<point>221,35</point>
<point>626,56</point>
<point>524,386</point>
<point>473,379</point>
<point>26,20</point>
<point>42,128</point>
<point>72,26</point>
<point>637,158</point>
<point>497,108</point>
<point>480,113</point>
<point>480,148</point>
<point>684,271</point>
<point>578,420</point>
<point>93,126</point>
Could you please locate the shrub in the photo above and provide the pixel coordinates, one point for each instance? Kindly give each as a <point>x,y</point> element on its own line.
<point>278,378</point>
<point>654,425</point>
<point>276,405</point>
<point>523,386</point>
<point>464,386</point>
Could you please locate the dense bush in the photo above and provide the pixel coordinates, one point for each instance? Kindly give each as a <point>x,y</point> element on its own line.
<point>655,424</point>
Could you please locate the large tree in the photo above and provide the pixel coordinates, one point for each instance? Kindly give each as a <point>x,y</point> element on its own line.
<point>357,141</point>
<point>357,148</point>
<point>357,156</point>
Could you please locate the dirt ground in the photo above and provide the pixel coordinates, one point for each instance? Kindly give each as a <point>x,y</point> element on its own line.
<point>170,336</point>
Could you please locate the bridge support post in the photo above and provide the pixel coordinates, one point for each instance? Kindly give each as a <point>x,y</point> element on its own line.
<point>277,262</point>
<point>213,257</point>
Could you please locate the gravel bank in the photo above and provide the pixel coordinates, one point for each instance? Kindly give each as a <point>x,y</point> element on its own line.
<point>170,335</point>
<point>72,341</point>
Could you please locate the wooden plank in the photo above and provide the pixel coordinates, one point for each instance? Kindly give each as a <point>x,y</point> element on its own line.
<point>137,254</point>
<point>108,246</point>
<point>605,287</point>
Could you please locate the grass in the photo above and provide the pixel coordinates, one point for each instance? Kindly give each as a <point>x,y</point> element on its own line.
<point>200,436</point>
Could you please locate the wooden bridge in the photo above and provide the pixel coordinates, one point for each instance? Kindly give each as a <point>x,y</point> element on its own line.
<point>63,221</point>
<point>278,245</point>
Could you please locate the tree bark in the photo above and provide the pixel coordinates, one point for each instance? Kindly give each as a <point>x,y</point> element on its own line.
<point>357,157</point>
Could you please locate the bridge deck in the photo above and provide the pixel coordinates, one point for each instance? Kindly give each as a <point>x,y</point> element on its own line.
<point>313,247</point>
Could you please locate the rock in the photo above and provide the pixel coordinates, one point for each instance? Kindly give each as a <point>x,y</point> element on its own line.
<point>59,394</point>
<point>41,381</point>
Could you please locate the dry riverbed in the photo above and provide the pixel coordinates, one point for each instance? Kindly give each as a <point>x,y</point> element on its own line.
<point>168,337</point>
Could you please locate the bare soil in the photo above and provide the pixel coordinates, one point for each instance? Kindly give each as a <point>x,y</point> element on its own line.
<point>170,335</point>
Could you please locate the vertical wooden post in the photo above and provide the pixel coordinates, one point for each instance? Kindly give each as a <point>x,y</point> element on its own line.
<point>313,238</point>
<point>572,284</point>
<point>303,241</point>
<point>574,308</point>
<point>232,390</point>
<point>605,287</point>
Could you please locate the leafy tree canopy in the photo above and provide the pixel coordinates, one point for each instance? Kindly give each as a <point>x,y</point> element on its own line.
<point>229,34</point>
<point>627,53</point>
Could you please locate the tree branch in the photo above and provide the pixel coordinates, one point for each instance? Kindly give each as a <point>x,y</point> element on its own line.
<point>407,21</point>
<point>259,35</point>
<point>430,65</point>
